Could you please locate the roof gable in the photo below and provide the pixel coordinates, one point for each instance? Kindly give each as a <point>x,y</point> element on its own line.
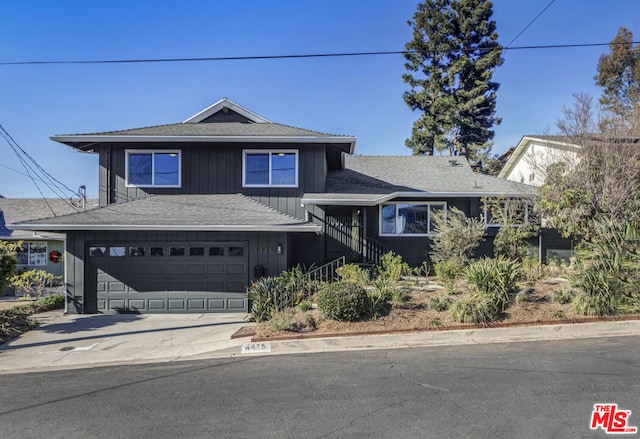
<point>223,106</point>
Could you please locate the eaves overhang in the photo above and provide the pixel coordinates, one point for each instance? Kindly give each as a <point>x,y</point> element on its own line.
<point>310,227</point>
<point>89,141</point>
<point>375,200</point>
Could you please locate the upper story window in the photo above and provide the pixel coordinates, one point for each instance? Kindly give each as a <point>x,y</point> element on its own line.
<point>146,168</point>
<point>408,218</point>
<point>270,168</point>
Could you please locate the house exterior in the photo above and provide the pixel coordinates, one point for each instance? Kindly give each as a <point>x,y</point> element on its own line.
<point>40,250</point>
<point>533,154</point>
<point>191,213</point>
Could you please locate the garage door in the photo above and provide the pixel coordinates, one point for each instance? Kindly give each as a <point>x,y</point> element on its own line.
<point>168,277</point>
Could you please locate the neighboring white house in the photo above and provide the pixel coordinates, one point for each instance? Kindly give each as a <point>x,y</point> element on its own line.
<point>529,162</point>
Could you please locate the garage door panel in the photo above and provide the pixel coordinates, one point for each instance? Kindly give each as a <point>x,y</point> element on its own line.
<point>236,268</point>
<point>176,269</point>
<point>216,268</point>
<point>150,281</point>
<point>196,268</point>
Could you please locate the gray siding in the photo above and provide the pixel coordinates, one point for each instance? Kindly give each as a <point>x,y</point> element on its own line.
<point>215,169</point>
<point>262,248</point>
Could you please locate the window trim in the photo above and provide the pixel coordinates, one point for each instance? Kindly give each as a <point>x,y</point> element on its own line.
<point>487,224</point>
<point>153,152</point>
<point>28,252</point>
<point>270,152</point>
<point>442,204</point>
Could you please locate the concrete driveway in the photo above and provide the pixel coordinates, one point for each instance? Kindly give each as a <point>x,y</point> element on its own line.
<point>71,341</point>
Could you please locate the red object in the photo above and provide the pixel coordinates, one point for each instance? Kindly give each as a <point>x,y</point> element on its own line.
<point>55,256</point>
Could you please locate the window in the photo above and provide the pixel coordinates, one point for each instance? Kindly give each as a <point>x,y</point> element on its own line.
<point>196,251</point>
<point>216,251</point>
<point>97,251</point>
<point>117,252</point>
<point>137,251</point>
<point>32,253</point>
<point>176,251</point>
<point>153,168</point>
<point>408,218</point>
<point>156,251</point>
<point>512,212</point>
<point>270,168</point>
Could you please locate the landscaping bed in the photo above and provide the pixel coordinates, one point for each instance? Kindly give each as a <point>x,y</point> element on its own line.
<point>16,317</point>
<point>417,313</point>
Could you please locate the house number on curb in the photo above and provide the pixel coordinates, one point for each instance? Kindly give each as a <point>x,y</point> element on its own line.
<point>250,348</point>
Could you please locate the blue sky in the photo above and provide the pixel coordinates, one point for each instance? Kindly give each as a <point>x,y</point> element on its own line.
<point>359,96</point>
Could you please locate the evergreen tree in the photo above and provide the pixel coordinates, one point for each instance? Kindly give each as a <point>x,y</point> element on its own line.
<point>619,77</point>
<point>451,60</point>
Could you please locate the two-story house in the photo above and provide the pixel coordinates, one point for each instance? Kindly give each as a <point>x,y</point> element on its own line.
<point>191,213</point>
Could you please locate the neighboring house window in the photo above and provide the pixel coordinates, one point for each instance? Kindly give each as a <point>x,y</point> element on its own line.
<point>32,253</point>
<point>512,212</point>
<point>270,168</point>
<point>146,168</point>
<point>408,218</point>
<point>532,176</point>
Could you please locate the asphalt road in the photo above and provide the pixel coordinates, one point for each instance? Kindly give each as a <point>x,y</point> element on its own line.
<point>515,390</point>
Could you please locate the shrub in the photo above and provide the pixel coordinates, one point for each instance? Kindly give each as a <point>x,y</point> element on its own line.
<point>34,283</point>
<point>496,278</point>
<point>8,262</point>
<point>455,236</point>
<point>281,321</point>
<point>392,267</point>
<point>447,272</point>
<point>439,303</point>
<point>477,308</point>
<point>531,270</point>
<point>263,294</point>
<point>596,304</point>
<point>305,305</point>
<point>525,295</point>
<point>512,242</point>
<point>563,296</point>
<point>354,274</point>
<point>344,301</point>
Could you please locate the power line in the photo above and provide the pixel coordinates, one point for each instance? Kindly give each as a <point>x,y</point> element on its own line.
<point>530,23</point>
<point>36,172</point>
<point>297,56</point>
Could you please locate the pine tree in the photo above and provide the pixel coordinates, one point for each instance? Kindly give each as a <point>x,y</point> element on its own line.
<point>619,77</point>
<point>451,60</point>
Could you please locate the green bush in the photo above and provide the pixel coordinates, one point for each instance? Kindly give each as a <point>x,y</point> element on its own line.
<point>596,304</point>
<point>305,305</point>
<point>344,301</point>
<point>8,262</point>
<point>281,321</point>
<point>496,278</point>
<point>392,267</point>
<point>563,296</point>
<point>447,272</point>
<point>512,242</point>
<point>263,295</point>
<point>525,295</point>
<point>354,274</point>
<point>34,283</point>
<point>477,308</point>
<point>455,236</point>
<point>439,303</point>
<point>531,269</point>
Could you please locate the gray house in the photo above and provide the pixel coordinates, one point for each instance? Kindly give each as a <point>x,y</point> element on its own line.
<point>191,213</point>
<point>40,250</point>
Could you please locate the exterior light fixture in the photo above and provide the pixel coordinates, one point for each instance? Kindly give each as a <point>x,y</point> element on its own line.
<point>279,249</point>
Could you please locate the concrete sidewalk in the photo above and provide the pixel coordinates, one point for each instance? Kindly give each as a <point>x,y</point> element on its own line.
<point>80,341</point>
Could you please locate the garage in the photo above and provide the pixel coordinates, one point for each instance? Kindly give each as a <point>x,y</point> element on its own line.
<point>160,277</point>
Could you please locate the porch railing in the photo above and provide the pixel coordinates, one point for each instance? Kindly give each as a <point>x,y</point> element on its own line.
<point>355,247</point>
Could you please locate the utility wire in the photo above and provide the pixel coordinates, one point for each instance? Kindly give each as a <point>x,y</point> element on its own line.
<point>37,173</point>
<point>297,56</point>
<point>530,23</point>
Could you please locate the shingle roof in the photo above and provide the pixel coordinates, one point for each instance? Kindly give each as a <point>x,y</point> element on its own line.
<point>371,179</point>
<point>228,212</point>
<point>15,210</point>
<point>215,129</point>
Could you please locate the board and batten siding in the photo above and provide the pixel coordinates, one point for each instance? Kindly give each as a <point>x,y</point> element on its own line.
<point>262,248</point>
<point>215,169</point>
